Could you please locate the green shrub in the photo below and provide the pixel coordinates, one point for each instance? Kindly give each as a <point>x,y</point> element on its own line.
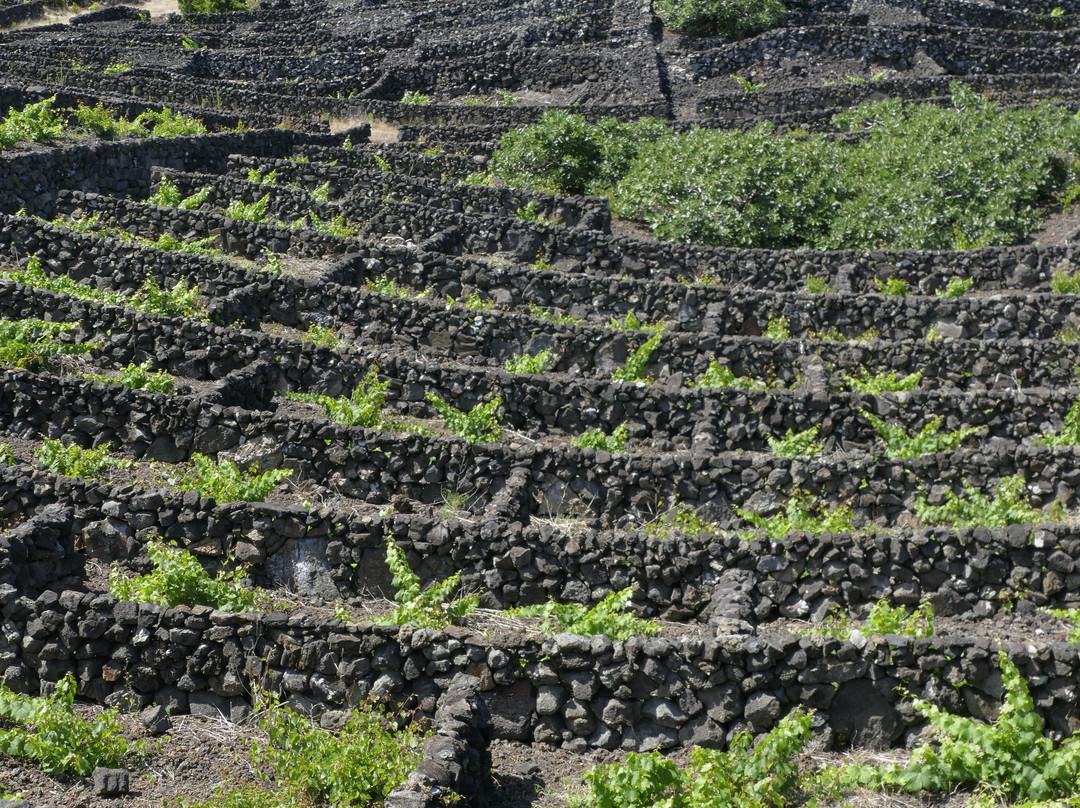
<point>75,461</point>
<point>7,456</point>
<point>224,482</point>
<point>167,123</point>
<point>796,444</point>
<point>478,425</point>
<point>323,336</point>
<point>800,514</point>
<point>415,97</point>
<point>886,619</point>
<point>49,731</point>
<point>717,375</point>
<point>262,178</point>
<point>32,344</point>
<point>433,607</point>
<point>746,85</point>
<point>354,767</point>
<point>38,122</point>
<point>139,377</point>
<point>929,440</point>
<point>777,328</point>
<point>248,212</point>
<point>116,68</point>
<point>168,195</point>
<point>608,617</point>
<point>211,6</point>
<point>100,122</point>
<point>35,275</point>
<point>816,285</point>
<point>170,243</point>
<point>877,383</point>
<point>1070,432</point>
<point>892,286</point>
<point>179,579</point>
<point>957,287</point>
<point>680,518</point>
<point>615,443</point>
<point>1008,507</point>
<point>631,322</point>
<point>748,775</point>
<point>634,369</point>
<point>730,19</point>
<point>1064,282</point>
<point>363,408</point>
<point>530,363</point>
<point>1011,757</point>
<point>338,226</point>
<point>179,300</point>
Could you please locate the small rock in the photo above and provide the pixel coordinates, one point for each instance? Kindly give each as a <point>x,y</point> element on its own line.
<point>156,720</point>
<point>110,782</point>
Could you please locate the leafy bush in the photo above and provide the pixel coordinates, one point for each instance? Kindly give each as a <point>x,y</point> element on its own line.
<point>168,195</point>
<point>139,377</point>
<point>892,286</point>
<point>730,19</point>
<point>100,122</point>
<point>882,382</point>
<point>800,514</point>
<point>7,456</point>
<point>224,482</point>
<point>179,579</point>
<point>899,444</point>
<point>530,363</point>
<point>796,444</point>
<point>261,177</point>
<point>180,300</point>
<point>338,226</point>
<point>38,122</point>
<point>323,336</point>
<point>634,369</point>
<point>248,212</point>
<point>1008,507</point>
<point>607,617</point>
<point>167,123</point>
<point>75,461</point>
<point>922,176</point>
<point>1011,757</point>
<point>478,425</point>
<point>886,619</point>
<point>211,6</point>
<point>32,344</point>
<point>1064,282</point>
<point>717,375</point>
<point>631,322</point>
<point>117,68</point>
<point>680,518</point>
<point>1070,432</point>
<point>363,408</point>
<point>1073,618</point>
<point>614,443</point>
<point>816,285</point>
<point>777,328</point>
<point>416,98</point>
<point>35,275</point>
<point>957,287</point>
<point>48,731</point>
<point>433,607</point>
<point>748,775</point>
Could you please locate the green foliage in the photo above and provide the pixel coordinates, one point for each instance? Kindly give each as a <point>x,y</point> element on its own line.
<point>168,195</point>
<point>957,287</point>
<point>920,176</point>
<point>717,375</point>
<point>262,178</point>
<point>248,212</point>
<point>608,617</point>
<point>777,328</point>
<point>797,444</point>
<point>1064,282</point>
<point>729,19</point>
<point>363,408</point>
<point>38,122</point>
<point>139,377</point>
<point>211,6</point>
<point>116,68</point>
<point>35,275</point>
<point>816,285</point>
<point>506,99</point>
<point>7,457</point>
<point>530,363</point>
<point>167,123</point>
<point>478,425</point>
<point>100,122</point>
<point>224,482</point>
<point>180,300</point>
<point>680,518</point>
<point>892,286</point>
<point>170,243</point>
<point>800,514</point>
<point>387,286</point>
<point>747,85</point>
<point>338,226</point>
<point>877,383</point>
<point>179,579</point>
<point>631,322</point>
<point>1070,432</point>
<point>634,369</point>
<point>433,607</point>
<point>474,301</point>
<point>322,193</point>
<point>1009,506</point>
<point>615,443</point>
<point>1070,615</point>
<point>929,440</point>
<point>551,315</point>
<point>75,461</point>
<point>416,98</point>
<point>322,336</point>
<point>48,731</point>
<point>31,344</point>
<point>1011,757</point>
<point>748,775</point>
<point>886,619</point>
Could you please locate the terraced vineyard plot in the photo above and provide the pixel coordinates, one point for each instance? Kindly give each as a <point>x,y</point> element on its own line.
<point>358,380</point>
